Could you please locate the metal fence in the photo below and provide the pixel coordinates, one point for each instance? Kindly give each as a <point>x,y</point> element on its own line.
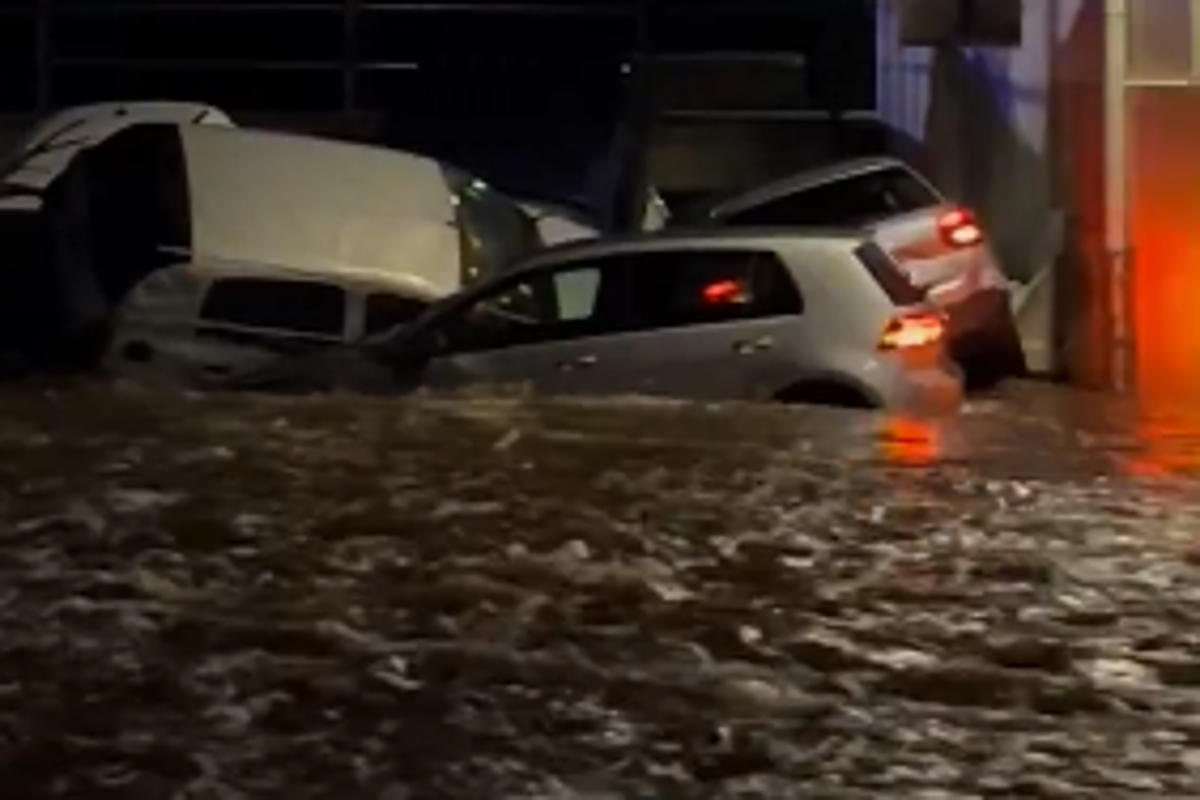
<point>350,55</point>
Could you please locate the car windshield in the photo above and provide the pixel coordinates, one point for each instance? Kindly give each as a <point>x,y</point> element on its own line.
<point>857,199</point>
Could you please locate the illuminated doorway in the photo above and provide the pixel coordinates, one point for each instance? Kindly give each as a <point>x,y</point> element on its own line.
<point>1162,186</point>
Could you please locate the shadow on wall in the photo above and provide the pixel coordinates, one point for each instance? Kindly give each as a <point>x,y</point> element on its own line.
<point>552,139</point>
<point>1076,137</point>
<point>980,158</point>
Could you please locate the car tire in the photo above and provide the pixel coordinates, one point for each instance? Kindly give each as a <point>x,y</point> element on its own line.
<point>1003,360</point>
<point>825,393</point>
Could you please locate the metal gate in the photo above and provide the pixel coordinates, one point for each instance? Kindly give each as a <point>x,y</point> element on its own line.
<point>352,55</point>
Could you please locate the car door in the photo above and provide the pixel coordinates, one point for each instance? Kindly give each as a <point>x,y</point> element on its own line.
<point>714,324</point>
<point>245,323</point>
<point>549,330</point>
<point>385,312</point>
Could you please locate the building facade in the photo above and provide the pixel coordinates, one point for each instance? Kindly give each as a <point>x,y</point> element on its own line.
<point>1075,147</point>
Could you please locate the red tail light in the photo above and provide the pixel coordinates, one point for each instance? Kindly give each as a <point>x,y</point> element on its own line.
<point>912,330</point>
<point>723,292</point>
<point>959,228</point>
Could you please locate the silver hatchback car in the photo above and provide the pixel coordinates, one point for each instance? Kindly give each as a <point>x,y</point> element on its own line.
<point>748,315</point>
<point>940,246</point>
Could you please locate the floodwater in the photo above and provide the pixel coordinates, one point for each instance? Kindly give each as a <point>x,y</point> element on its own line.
<point>230,597</point>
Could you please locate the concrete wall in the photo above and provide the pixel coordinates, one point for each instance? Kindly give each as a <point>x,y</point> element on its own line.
<point>1017,134</point>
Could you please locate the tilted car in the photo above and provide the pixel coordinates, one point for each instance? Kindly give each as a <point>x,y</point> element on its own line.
<point>938,245</point>
<point>715,316</point>
<point>152,197</point>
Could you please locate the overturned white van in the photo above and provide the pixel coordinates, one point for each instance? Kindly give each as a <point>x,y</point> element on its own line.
<point>172,198</point>
<point>47,148</point>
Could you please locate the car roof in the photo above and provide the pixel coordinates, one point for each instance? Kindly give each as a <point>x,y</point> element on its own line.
<point>353,278</point>
<point>800,180</point>
<point>682,239</point>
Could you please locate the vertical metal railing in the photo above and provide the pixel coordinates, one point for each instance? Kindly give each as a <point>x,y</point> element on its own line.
<point>1116,189</point>
<point>350,14</point>
<point>43,88</point>
<point>62,54</point>
<point>18,57</point>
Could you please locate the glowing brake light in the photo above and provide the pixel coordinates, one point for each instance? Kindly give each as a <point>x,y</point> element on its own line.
<point>722,292</point>
<point>912,330</point>
<point>959,228</point>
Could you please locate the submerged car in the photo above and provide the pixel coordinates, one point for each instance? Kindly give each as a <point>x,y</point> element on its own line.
<point>153,197</point>
<point>203,319</point>
<point>939,245</point>
<point>715,316</point>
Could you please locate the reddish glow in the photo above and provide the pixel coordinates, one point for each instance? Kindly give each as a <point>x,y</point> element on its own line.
<point>1165,217</point>
<point>952,219</point>
<point>725,292</point>
<point>956,229</point>
<point>959,228</point>
<point>912,330</point>
<point>910,442</point>
<point>1162,442</point>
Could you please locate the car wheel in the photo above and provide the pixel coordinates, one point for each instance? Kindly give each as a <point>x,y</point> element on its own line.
<point>825,393</point>
<point>1003,360</point>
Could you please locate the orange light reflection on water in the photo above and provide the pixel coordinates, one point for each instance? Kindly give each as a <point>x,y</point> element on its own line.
<point>910,442</point>
<point>1163,447</point>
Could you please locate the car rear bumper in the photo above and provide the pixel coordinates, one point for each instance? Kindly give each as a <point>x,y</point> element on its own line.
<point>933,391</point>
<point>982,335</point>
<point>937,387</point>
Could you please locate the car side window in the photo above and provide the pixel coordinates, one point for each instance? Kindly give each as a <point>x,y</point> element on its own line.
<point>305,309</point>
<point>856,200</point>
<point>698,287</point>
<point>547,306</point>
<point>386,312</point>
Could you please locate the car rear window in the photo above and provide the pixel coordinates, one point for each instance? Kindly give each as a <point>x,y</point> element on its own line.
<point>854,200</point>
<point>296,307</point>
<point>887,274</point>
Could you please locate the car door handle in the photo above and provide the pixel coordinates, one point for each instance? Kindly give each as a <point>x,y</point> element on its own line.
<point>582,362</point>
<point>749,346</point>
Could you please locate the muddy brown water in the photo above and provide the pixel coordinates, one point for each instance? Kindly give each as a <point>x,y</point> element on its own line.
<point>232,597</point>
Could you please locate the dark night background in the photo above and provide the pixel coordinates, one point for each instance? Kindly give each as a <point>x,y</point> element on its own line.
<point>288,55</point>
<point>516,91</point>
